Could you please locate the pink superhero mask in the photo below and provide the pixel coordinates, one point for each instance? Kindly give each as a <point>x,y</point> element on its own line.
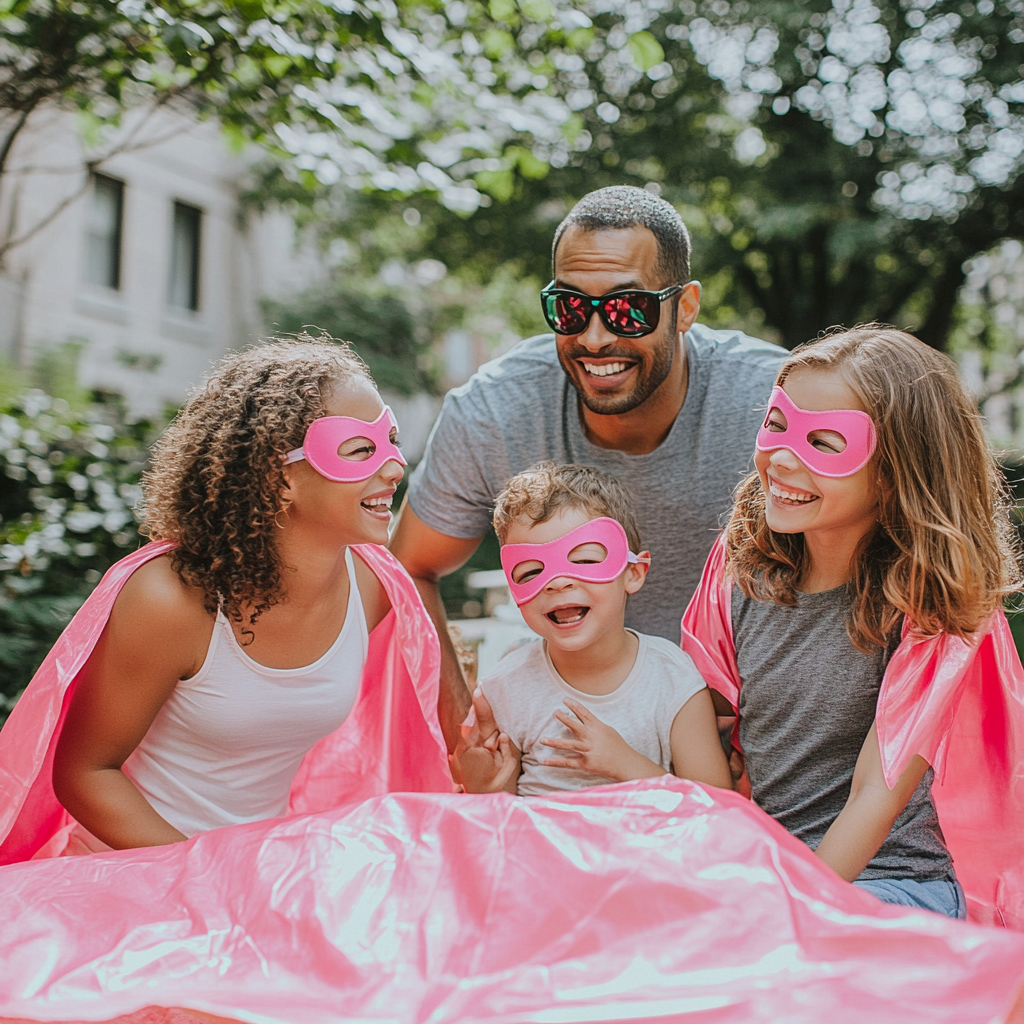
<point>854,426</point>
<point>327,434</point>
<point>554,558</point>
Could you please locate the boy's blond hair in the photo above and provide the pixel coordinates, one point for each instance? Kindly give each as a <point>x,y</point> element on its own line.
<point>539,492</point>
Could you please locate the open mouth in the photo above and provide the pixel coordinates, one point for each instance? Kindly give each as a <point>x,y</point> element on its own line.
<point>788,496</point>
<point>605,372</point>
<point>568,615</point>
<point>379,506</point>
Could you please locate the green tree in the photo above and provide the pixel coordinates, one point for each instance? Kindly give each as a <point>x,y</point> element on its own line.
<point>390,334</point>
<point>836,162</point>
<point>368,93</point>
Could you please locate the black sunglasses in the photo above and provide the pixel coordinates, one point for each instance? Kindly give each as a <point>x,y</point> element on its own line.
<point>629,312</point>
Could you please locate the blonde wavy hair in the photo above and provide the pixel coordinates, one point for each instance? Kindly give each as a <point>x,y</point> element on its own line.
<point>217,480</point>
<point>944,552</point>
<point>539,492</point>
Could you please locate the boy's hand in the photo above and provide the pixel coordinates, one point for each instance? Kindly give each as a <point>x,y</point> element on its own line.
<point>481,762</point>
<point>490,767</point>
<point>597,747</point>
<point>484,726</point>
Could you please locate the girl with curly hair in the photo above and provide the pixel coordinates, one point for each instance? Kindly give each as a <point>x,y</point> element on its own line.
<point>249,660</point>
<point>851,614</point>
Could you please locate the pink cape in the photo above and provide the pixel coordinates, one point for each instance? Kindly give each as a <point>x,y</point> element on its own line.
<point>660,899</point>
<point>959,705</point>
<point>654,900</point>
<point>390,741</point>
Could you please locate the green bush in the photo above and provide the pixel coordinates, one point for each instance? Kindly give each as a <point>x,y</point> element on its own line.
<point>70,485</point>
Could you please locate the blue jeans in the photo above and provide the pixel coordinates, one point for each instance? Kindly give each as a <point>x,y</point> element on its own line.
<point>942,895</point>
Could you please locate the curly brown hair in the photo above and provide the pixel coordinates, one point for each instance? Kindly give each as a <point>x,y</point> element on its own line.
<point>539,492</point>
<point>944,552</point>
<point>217,480</point>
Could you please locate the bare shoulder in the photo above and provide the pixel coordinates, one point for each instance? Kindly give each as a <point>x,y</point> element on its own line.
<point>156,591</point>
<point>376,603</point>
<point>158,627</point>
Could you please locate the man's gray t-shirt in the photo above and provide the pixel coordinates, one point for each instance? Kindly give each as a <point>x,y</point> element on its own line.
<point>521,409</point>
<point>807,703</point>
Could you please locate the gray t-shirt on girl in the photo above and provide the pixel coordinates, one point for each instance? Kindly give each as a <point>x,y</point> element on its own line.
<point>525,690</point>
<point>806,705</point>
<point>521,409</point>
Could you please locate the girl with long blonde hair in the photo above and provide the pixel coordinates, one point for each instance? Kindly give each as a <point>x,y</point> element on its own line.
<point>851,614</point>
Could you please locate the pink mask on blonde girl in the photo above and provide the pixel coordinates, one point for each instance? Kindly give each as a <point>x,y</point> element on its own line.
<point>555,559</point>
<point>852,425</point>
<point>326,435</point>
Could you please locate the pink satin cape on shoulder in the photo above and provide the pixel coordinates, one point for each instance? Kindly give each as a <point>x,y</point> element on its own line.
<point>958,705</point>
<point>390,742</point>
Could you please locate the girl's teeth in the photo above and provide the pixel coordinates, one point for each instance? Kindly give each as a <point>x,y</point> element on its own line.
<point>604,371</point>
<point>800,496</point>
<point>378,502</point>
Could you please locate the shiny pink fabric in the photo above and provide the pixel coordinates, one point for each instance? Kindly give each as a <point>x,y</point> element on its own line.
<point>959,705</point>
<point>390,741</point>
<point>659,899</point>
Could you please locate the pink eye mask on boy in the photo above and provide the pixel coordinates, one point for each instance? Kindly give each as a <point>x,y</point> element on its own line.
<point>554,557</point>
<point>854,426</point>
<point>326,435</point>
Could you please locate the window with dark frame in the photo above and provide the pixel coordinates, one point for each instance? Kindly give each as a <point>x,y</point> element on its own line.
<point>183,289</point>
<point>103,232</point>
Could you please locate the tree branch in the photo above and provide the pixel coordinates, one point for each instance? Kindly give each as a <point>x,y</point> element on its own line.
<point>13,243</point>
<point>5,150</point>
<point>125,145</point>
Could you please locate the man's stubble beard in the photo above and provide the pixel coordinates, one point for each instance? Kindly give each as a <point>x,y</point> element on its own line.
<point>616,405</point>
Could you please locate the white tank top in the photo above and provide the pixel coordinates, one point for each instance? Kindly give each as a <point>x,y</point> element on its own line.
<point>226,745</point>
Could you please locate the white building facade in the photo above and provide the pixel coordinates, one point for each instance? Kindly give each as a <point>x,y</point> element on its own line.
<point>144,257</point>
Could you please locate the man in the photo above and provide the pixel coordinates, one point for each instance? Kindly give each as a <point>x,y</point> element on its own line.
<point>668,407</point>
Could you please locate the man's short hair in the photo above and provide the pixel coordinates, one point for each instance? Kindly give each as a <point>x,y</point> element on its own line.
<point>539,492</point>
<point>625,206</point>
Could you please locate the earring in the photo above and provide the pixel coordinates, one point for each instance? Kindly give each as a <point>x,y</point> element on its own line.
<point>284,509</point>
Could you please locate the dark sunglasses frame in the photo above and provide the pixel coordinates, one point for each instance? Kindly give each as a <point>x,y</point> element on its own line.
<point>600,304</point>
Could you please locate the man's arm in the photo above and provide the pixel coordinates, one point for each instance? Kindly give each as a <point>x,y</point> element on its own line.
<point>427,556</point>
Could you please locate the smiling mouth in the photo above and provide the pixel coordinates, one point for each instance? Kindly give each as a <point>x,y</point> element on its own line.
<point>568,615</point>
<point>787,496</point>
<point>605,369</point>
<point>380,505</point>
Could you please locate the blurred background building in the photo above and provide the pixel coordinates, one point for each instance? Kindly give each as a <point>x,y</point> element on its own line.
<point>147,260</point>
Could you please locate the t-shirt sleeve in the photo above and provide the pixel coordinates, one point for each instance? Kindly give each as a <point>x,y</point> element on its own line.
<point>452,489</point>
<point>681,678</point>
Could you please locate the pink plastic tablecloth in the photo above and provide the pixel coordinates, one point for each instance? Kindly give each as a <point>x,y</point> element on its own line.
<point>654,900</point>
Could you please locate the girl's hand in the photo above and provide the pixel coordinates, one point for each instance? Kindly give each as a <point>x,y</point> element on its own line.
<point>597,747</point>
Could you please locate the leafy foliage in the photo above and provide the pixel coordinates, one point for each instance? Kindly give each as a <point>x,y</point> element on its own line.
<point>379,324</point>
<point>363,92</point>
<point>66,514</point>
<point>836,161</point>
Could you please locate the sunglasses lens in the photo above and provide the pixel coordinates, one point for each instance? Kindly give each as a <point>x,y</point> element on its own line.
<point>631,314</point>
<point>566,313</point>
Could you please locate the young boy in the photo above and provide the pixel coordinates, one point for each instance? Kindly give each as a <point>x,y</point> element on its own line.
<point>589,702</point>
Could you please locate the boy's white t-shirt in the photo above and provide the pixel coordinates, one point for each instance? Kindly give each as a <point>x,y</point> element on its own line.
<point>525,690</point>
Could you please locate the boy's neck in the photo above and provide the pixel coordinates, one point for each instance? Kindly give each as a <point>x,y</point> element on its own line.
<point>600,668</point>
